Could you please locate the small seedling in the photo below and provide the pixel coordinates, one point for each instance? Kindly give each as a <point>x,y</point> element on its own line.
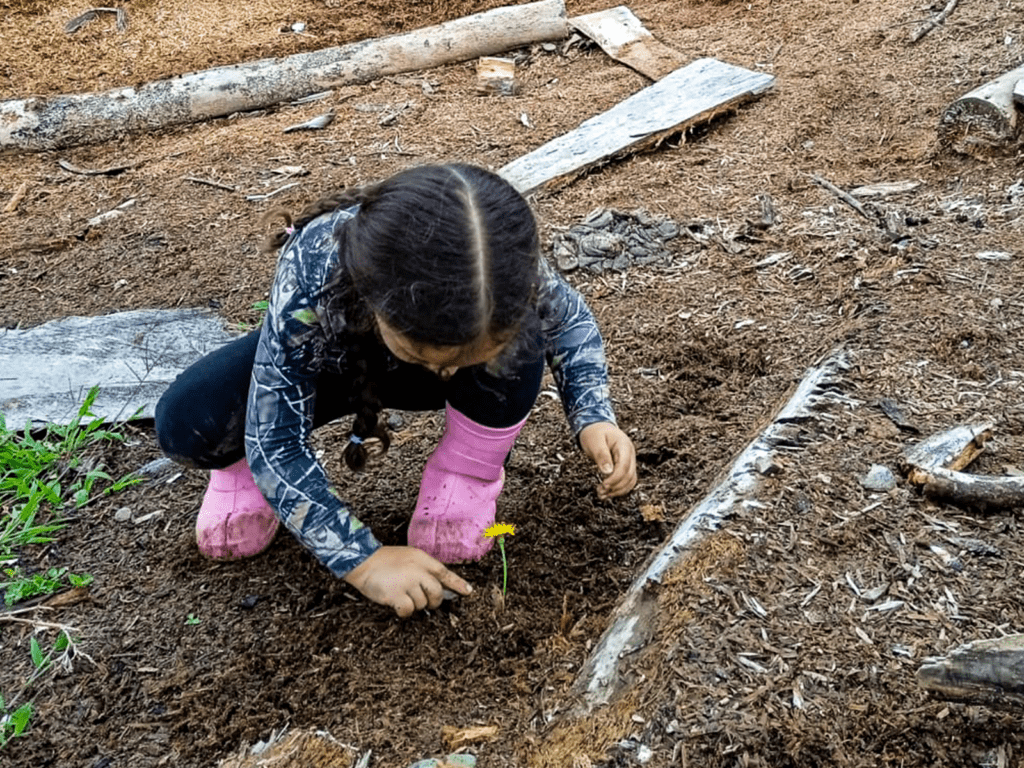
<point>13,725</point>
<point>192,620</point>
<point>257,306</point>
<point>14,720</point>
<point>499,531</point>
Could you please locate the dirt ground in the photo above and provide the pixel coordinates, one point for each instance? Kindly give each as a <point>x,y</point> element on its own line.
<point>789,638</point>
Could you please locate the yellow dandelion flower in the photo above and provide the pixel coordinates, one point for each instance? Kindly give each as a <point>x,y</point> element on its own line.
<point>500,529</point>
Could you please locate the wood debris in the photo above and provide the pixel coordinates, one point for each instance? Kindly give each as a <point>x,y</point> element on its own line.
<point>934,21</point>
<point>455,738</point>
<point>989,672</point>
<point>81,20</point>
<point>16,198</point>
<point>110,170</point>
<point>495,76</point>
<point>622,36</point>
<point>935,464</point>
<point>37,124</point>
<point>313,124</point>
<point>983,121</point>
<point>634,619</point>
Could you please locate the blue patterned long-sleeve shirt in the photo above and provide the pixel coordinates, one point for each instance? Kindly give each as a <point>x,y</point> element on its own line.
<point>298,342</point>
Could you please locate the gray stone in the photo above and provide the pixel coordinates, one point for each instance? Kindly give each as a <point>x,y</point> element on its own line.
<point>879,478</point>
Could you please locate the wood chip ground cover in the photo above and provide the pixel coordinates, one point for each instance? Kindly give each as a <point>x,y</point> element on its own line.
<point>792,636</point>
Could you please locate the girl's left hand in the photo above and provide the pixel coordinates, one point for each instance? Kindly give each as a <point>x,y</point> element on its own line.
<point>615,455</point>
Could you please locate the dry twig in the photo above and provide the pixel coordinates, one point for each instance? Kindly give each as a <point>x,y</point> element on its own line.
<point>93,13</point>
<point>933,22</point>
<point>16,198</point>
<point>845,197</point>
<point>209,183</point>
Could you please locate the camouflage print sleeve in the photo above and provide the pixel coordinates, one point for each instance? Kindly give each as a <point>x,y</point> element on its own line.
<point>575,351</point>
<point>282,395</point>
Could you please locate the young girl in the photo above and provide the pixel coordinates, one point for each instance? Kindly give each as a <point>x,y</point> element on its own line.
<point>422,292</point>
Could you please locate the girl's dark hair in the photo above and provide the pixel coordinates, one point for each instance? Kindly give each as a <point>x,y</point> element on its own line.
<point>446,255</point>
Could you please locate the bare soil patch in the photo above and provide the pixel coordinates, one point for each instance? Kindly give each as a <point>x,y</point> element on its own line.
<point>702,349</point>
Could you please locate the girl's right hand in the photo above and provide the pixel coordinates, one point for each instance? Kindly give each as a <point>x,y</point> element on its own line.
<point>405,578</point>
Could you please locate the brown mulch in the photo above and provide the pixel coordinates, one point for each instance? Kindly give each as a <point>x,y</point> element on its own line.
<point>788,638</point>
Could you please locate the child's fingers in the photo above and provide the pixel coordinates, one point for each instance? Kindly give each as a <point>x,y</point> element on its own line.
<point>404,607</point>
<point>603,458</point>
<point>420,598</point>
<point>623,478</point>
<point>454,582</point>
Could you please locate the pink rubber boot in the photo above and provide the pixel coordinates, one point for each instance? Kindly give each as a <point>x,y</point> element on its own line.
<point>460,487</point>
<point>235,520</point>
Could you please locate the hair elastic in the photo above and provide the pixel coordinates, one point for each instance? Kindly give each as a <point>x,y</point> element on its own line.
<point>355,439</point>
<point>290,229</point>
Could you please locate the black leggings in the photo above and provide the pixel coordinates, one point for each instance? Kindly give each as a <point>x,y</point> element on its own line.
<point>200,419</point>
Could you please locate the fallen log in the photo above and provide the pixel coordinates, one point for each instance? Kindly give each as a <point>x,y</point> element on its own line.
<point>982,492</point>
<point>989,672</point>
<point>983,120</point>
<point>54,122</point>
<point>634,622</point>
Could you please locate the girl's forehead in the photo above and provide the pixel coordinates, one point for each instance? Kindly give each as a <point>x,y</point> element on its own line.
<point>464,355</point>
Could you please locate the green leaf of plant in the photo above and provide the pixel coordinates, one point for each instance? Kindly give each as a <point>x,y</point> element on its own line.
<point>21,717</point>
<point>37,653</point>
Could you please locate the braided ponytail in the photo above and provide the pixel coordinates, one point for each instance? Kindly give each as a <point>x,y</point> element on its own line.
<point>367,422</point>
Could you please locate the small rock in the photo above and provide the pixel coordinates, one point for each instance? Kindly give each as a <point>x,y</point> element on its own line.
<point>766,466</point>
<point>879,478</point>
<point>123,515</point>
<point>395,421</point>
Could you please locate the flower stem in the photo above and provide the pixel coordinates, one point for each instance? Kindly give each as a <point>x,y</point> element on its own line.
<point>504,564</point>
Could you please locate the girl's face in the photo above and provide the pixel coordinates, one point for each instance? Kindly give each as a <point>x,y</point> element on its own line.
<point>444,361</point>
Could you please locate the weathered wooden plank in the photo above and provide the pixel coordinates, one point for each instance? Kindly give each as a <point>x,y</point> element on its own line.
<point>622,36</point>
<point>45,372</point>
<point>693,94</point>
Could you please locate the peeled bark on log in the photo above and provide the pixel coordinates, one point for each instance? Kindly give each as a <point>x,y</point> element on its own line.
<point>635,620</point>
<point>952,449</point>
<point>985,119</point>
<point>989,672</point>
<point>54,122</point>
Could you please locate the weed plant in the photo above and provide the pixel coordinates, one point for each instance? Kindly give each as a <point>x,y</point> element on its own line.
<point>43,476</point>
<point>40,478</point>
